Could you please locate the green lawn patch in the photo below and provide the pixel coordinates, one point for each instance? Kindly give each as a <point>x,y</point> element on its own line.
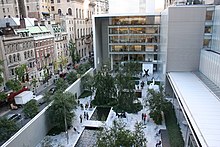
<point>175,135</point>
<point>85,94</point>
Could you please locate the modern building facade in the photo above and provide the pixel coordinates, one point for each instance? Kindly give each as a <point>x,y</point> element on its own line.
<point>123,38</point>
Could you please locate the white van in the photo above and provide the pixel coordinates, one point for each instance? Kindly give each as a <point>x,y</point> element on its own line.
<point>40,99</point>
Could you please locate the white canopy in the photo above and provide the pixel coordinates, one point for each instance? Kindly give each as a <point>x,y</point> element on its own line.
<point>201,106</point>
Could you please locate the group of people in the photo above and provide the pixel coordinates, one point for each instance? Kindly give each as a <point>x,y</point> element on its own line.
<point>86,116</point>
<point>144,117</point>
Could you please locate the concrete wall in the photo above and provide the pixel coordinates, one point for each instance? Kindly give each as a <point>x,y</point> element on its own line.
<point>100,39</point>
<point>36,129</point>
<point>32,133</point>
<point>185,37</point>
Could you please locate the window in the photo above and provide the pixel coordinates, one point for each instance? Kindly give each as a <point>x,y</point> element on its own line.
<point>32,53</point>
<point>12,72</point>
<point>25,55</point>
<point>69,11</point>
<point>10,59</point>
<point>3,9</point>
<point>209,15</point>
<point>52,8</point>
<point>52,1</point>
<point>59,11</point>
<point>76,13</point>
<point>79,13</point>
<point>28,8</point>
<point>14,58</point>
<point>58,1</point>
<point>18,56</point>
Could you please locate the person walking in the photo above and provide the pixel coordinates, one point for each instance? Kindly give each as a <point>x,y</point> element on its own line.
<point>142,116</point>
<point>87,115</point>
<point>145,116</point>
<point>80,118</point>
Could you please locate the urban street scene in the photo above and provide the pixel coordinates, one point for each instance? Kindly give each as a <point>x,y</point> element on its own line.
<point>109,73</point>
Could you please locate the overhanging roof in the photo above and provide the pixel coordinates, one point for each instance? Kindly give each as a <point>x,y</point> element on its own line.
<point>201,106</point>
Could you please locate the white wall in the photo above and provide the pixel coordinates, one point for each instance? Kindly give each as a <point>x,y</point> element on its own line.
<point>210,66</point>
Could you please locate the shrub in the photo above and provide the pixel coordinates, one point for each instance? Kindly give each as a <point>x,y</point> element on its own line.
<point>30,109</point>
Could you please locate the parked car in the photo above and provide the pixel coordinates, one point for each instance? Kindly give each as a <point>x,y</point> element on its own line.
<point>52,90</point>
<point>14,116</point>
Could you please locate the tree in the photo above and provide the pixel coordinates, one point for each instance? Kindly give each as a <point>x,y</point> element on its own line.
<point>61,84</point>
<point>157,104</point>
<point>87,82</point>
<point>105,88</point>
<point>7,129</point>
<point>14,85</point>
<point>83,68</point>
<point>71,77</point>
<point>126,93</point>
<point>73,52</point>
<point>3,96</point>
<point>34,83</point>
<point>30,109</point>
<point>61,109</point>
<point>118,136</point>
<point>20,72</point>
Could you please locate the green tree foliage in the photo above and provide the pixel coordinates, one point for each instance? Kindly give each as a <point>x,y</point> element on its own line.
<point>73,52</point>
<point>87,82</point>
<point>62,108</point>
<point>30,109</point>
<point>133,68</point>
<point>48,97</point>
<point>61,84</point>
<point>14,85</point>
<point>3,96</point>
<point>71,77</point>
<point>126,93</point>
<point>119,136</point>
<point>7,129</point>
<point>157,104</point>
<point>83,68</point>
<point>20,72</point>
<point>105,88</point>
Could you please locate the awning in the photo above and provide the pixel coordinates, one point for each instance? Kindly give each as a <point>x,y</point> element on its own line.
<point>200,105</point>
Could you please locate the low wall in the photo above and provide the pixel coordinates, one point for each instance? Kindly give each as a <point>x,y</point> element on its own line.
<point>37,128</point>
<point>32,132</point>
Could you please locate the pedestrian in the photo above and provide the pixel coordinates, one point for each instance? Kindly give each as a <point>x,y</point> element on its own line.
<point>81,118</point>
<point>158,144</point>
<point>142,116</point>
<point>87,115</point>
<point>75,130</point>
<point>145,116</point>
<point>84,115</point>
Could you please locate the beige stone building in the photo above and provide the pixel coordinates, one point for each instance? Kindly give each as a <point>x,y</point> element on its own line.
<point>77,18</point>
<point>17,49</point>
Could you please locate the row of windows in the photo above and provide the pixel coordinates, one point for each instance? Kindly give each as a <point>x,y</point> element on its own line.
<point>83,32</point>
<point>61,45</point>
<point>18,47</point>
<point>79,12</point>
<point>42,43</point>
<point>17,57</point>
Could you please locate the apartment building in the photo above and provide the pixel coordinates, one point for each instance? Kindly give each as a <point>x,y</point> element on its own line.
<point>16,49</point>
<point>13,8</point>
<point>61,51</point>
<point>77,18</point>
